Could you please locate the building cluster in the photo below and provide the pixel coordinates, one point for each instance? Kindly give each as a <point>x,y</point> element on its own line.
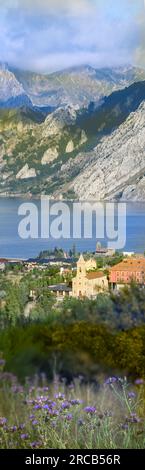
<point>90,281</point>
<point>87,279</point>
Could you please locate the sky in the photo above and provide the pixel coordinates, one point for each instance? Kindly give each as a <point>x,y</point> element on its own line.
<point>50,35</point>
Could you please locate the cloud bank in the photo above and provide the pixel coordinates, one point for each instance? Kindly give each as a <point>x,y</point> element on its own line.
<point>49,35</point>
<point>140,50</point>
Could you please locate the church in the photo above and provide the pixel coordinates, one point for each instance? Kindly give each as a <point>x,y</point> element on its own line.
<point>88,281</point>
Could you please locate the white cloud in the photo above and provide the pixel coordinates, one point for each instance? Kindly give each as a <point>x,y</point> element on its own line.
<point>140,50</point>
<point>47,35</point>
<point>71,6</point>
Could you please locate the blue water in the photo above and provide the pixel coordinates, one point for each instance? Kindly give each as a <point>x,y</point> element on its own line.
<point>11,245</point>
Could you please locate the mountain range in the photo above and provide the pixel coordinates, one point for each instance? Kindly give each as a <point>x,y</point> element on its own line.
<point>79,133</point>
<point>77,86</point>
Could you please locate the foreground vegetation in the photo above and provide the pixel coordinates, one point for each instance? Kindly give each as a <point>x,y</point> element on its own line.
<point>71,350</point>
<point>106,334</point>
<point>40,415</point>
<point>82,342</point>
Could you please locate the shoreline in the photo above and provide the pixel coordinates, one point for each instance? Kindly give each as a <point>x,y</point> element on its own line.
<point>38,197</point>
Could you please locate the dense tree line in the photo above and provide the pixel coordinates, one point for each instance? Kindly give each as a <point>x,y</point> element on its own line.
<point>121,311</point>
<point>94,336</point>
<point>73,350</point>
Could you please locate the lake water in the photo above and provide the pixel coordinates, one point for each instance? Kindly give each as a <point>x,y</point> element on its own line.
<point>11,245</point>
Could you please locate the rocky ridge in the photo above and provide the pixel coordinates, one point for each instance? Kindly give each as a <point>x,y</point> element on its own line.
<point>94,153</point>
<point>116,167</point>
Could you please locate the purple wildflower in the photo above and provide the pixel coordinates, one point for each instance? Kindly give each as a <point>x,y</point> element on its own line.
<point>31,389</point>
<point>69,417</point>
<point>53,412</point>
<point>76,402</point>
<point>53,424</point>
<point>65,405</point>
<point>13,428</point>
<point>111,380</point>
<point>21,426</point>
<point>24,436</point>
<point>139,381</point>
<point>2,362</point>
<point>81,422</point>
<point>133,418</point>
<point>3,421</point>
<point>52,404</point>
<point>38,407</point>
<point>124,426</point>
<point>35,422</point>
<point>71,386</point>
<point>41,399</point>
<point>17,389</point>
<point>5,428</point>
<point>90,409</point>
<point>46,407</point>
<point>131,395</point>
<point>59,396</point>
<point>35,445</point>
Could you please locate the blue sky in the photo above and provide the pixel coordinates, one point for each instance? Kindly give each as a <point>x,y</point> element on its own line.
<point>49,35</point>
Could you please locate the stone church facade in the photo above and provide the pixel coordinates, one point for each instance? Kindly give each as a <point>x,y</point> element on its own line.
<point>88,281</point>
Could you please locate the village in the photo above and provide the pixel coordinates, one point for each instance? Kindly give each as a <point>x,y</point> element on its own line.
<point>76,275</point>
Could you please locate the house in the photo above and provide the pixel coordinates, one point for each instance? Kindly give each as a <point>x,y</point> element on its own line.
<point>32,295</point>
<point>65,270</point>
<point>130,269</point>
<point>130,254</point>
<point>61,291</point>
<point>102,251</point>
<point>2,264</point>
<point>88,281</point>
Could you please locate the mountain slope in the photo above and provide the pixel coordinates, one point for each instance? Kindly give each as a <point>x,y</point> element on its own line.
<point>63,155</point>
<point>115,169</point>
<point>32,152</point>
<point>113,111</point>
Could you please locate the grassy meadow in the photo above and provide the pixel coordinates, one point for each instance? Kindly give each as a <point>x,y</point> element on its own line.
<point>58,415</point>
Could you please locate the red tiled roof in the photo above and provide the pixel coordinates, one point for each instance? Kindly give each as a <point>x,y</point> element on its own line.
<point>95,275</point>
<point>131,265</point>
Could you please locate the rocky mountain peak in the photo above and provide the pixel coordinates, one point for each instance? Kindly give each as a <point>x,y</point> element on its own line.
<point>12,93</point>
